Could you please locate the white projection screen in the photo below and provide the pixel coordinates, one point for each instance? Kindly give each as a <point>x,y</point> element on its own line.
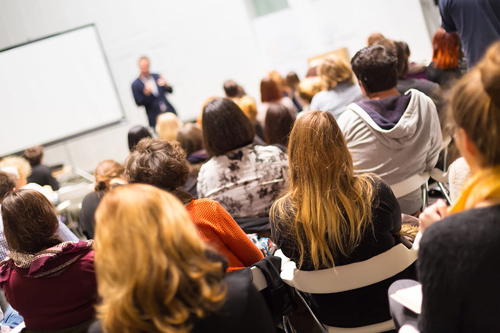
<point>54,89</point>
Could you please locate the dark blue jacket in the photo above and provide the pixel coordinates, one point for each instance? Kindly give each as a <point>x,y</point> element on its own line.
<point>151,102</point>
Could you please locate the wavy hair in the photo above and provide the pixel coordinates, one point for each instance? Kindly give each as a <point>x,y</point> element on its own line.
<point>333,70</point>
<point>152,268</point>
<point>106,172</point>
<point>446,49</point>
<point>329,205</point>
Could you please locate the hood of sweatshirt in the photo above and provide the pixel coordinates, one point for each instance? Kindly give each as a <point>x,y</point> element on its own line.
<point>395,121</point>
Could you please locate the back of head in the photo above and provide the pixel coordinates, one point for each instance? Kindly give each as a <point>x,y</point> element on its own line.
<point>278,124</point>
<point>30,221</point>
<point>373,38</point>
<point>269,91</point>
<point>445,49</point>
<point>327,198</point>
<point>135,134</point>
<point>231,89</point>
<point>333,70</point>
<point>248,106</point>
<point>276,77</point>
<point>34,155</point>
<point>7,184</point>
<point>167,126</point>
<point>20,164</point>
<point>159,163</point>
<point>292,80</point>
<point>475,106</point>
<point>309,87</point>
<point>403,55</point>
<point>190,138</point>
<point>152,268</point>
<point>376,69</point>
<point>225,127</point>
<point>105,172</point>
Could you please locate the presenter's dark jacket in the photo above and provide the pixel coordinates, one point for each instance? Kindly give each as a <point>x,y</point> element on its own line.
<point>152,102</point>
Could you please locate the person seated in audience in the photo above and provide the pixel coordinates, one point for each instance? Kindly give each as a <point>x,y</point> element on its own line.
<point>328,217</point>
<point>135,135</point>
<point>244,177</point>
<point>108,174</point>
<point>283,88</point>
<point>7,185</point>
<point>292,84</point>
<point>40,174</point>
<point>156,275</point>
<point>394,136</point>
<point>308,88</point>
<point>17,166</point>
<point>163,164</point>
<point>429,88</point>
<point>277,127</point>
<point>231,90</point>
<point>249,108</point>
<point>167,126</point>
<point>50,283</point>
<point>338,86</point>
<point>271,93</point>
<point>458,264</point>
<point>190,138</point>
<point>445,66</point>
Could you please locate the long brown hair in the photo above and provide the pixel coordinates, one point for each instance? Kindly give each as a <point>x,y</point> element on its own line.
<point>30,221</point>
<point>152,268</point>
<point>330,205</point>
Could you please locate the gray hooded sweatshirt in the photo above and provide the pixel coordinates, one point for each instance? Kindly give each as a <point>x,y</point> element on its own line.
<point>409,146</point>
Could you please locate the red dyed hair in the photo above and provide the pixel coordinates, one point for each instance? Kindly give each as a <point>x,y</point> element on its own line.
<point>269,91</point>
<point>446,49</point>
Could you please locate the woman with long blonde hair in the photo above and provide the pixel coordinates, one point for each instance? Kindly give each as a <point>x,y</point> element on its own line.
<point>156,275</point>
<point>328,217</point>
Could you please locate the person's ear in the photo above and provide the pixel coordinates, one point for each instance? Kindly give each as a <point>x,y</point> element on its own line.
<point>363,90</point>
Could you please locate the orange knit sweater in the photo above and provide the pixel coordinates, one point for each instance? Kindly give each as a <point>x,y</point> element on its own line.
<point>217,228</point>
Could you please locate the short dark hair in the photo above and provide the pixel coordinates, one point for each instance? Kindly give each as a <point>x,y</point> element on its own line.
<point>376,68</point>
<point>34,155</point>
<point>231,88</point>
<point>278,124</point>
<point>225,127</point>
<point>7,184</point>
<point>159,163</point>
<point>30,221</point>
<point>136,134</point>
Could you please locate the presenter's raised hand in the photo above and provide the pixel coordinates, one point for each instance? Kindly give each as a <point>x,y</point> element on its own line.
<point>147,88</point>
<point>161,82</point>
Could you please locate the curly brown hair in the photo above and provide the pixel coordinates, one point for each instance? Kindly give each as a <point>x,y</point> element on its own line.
<point>159,163</point>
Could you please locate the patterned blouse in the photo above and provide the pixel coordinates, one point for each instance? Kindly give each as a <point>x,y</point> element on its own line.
<point>246,181</point>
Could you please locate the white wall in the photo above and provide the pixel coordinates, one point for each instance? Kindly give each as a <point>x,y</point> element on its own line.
<point>198,44</point>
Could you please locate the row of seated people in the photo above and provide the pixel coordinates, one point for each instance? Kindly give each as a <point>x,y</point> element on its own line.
<point>326,217</point>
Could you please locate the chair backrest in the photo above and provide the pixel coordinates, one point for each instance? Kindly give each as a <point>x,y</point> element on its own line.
<point>259,280</point>
<point>353,276</point>
<point>410,184</point>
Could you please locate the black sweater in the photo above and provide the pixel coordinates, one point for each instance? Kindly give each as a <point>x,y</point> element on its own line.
<point>459,268</point>
<point>364,306</point>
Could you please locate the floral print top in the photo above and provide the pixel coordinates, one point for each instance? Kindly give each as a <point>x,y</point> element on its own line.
<point>245,181</point>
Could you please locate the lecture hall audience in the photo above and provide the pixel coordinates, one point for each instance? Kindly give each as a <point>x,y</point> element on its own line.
<point>155,275</point>
<point>458,261</point>
<point>40,174</point>
<point>163,164</point>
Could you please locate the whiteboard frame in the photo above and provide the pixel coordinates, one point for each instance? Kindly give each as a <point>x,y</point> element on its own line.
<point>122,120</point>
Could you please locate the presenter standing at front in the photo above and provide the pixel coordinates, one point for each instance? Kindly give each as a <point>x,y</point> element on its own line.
<point>149,91</point>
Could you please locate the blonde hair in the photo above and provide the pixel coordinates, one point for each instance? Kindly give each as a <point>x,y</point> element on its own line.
<point>326,205</point>
<point>248,106</point>
<point>475,106</point>
<point>333,70</point>
<point>167,126</point>
<point>152,269</point>
<point>309,87</point>
<point>20,164</point>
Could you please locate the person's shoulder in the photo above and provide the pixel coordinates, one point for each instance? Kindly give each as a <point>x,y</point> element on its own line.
<point>137,82</point>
